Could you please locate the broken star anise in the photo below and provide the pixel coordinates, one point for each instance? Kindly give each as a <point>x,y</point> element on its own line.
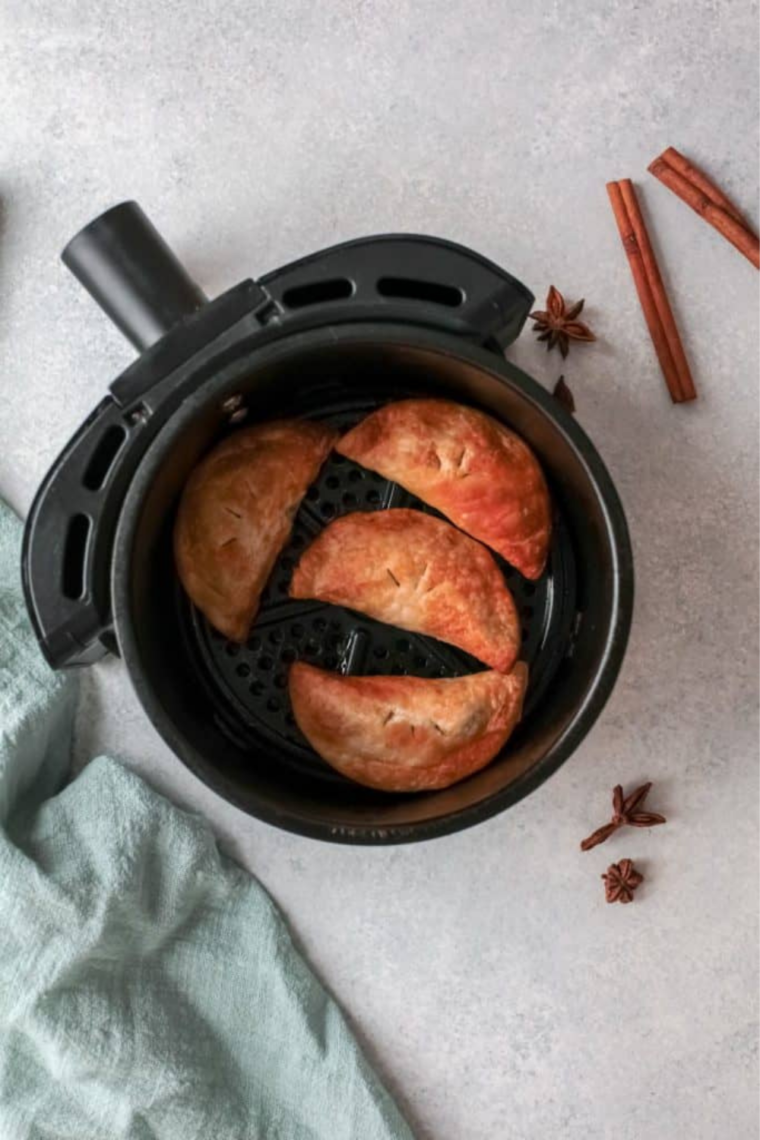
<point>558,325</point>
<point>625,813</point>
<point>620,881</point>
<point>562,393</point>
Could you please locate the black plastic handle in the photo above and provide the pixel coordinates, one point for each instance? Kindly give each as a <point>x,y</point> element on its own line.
<point>127,267</point>
<point>69,532</point>
<point>404,277</point>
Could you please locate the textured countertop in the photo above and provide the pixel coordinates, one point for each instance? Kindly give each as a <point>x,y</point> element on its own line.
<point>496,992</point>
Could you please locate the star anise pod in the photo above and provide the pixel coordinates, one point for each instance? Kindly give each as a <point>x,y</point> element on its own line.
<point>558,325</point>
<point>620,881</point>
<point>625,813</point>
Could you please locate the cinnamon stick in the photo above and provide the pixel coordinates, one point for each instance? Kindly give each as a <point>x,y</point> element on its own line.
<point>652,269</point>
<point>697,191</point>
<point>696,176</point>
<point>651,290</point>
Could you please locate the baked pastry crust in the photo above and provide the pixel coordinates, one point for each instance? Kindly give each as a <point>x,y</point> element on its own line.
<point>468,466</point>
<point>236,514</point>
<point>416,572</point>
<point>407,734</point>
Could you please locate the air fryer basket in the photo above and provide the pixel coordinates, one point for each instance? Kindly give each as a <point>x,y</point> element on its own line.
<point>331,336</point>
<point>224,708</point>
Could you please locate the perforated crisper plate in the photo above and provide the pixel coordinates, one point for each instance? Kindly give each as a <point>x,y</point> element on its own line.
<point>249,683</point>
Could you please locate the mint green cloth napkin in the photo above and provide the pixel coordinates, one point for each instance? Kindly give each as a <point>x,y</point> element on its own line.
<point>148,986</point>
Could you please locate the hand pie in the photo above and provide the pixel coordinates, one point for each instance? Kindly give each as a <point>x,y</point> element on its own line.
<point>406,734</point>
<point>468,466</point>
<point>236,514</point>
<point>417,572</point>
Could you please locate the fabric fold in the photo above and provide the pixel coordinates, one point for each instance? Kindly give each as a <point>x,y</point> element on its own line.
<point>149,987</point>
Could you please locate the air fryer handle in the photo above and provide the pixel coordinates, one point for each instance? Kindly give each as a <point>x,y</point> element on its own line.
<point>408,277</point>
<point>127,267</point>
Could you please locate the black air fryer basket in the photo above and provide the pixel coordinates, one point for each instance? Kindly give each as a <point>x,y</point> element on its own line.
<point>330,337</point>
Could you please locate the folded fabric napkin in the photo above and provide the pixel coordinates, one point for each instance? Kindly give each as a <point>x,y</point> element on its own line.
<point>148,986</point>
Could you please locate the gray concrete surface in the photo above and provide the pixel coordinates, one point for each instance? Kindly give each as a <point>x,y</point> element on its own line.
<point>496,992</point>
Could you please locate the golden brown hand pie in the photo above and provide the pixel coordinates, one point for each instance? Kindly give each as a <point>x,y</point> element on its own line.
<point>236,514</point>
<point>469,467</point>
<point>406,734</point>
<point>416,572</point>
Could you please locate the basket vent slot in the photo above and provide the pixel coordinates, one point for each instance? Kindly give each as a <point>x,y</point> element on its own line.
<point>101,460</point>
<point>74,552</point>
<point>410,289</point>
<point>317,292</point>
